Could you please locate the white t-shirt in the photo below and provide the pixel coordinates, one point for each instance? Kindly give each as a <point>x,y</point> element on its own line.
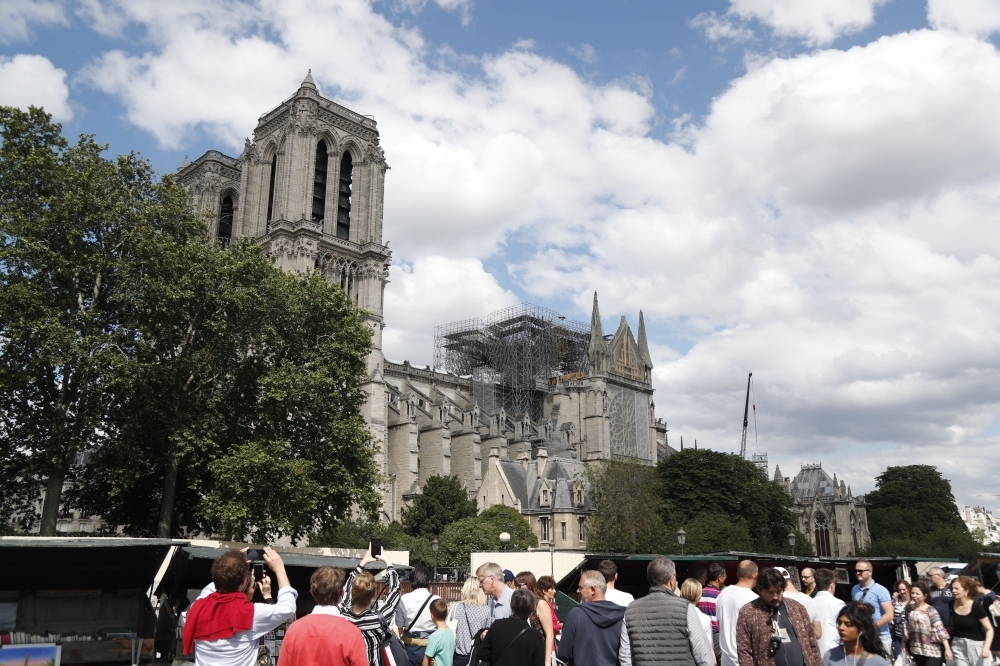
<point>241,649</point>
<point>828,606</point>
<point>409,604</point>
<point>727,612</point>
<point>807,602</point>
<point>619,597</point>
<point>706,624</point>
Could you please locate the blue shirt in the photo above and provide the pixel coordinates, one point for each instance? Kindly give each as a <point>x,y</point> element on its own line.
<point>500,608</point>
<point>874,595</point>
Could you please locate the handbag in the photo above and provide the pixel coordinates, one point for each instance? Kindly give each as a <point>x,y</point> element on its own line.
<point>391,650</point>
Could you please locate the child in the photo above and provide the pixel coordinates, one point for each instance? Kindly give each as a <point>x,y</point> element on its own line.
<point>441,644</point>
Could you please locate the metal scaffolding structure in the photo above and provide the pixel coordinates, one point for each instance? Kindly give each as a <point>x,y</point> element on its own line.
<point>510,353</point>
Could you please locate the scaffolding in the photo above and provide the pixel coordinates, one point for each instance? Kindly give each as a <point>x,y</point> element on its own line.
<point>511,355</point>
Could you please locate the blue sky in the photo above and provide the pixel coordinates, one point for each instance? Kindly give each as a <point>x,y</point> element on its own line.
<point>807,189</point>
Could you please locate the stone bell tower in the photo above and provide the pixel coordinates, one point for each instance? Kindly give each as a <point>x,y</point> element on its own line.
<point>309,186</point>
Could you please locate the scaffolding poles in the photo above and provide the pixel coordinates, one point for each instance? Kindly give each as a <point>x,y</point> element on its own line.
<point>510,353</point>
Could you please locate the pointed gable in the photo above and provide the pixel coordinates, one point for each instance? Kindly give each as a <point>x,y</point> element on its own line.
<point>598,350</point>
<point>625,358</point>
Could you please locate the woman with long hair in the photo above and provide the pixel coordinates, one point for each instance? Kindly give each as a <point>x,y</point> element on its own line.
<point>860,644</point>
<point>360,607</point>
<point>970,629</point>
<point>541,619</point>
<point>547,584</point>
<point>924,637</point>
<point>471,615</point>
<point>900,604</point>
<point>691,590</point>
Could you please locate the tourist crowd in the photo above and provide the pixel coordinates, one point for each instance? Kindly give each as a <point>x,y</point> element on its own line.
<point>503,619</point>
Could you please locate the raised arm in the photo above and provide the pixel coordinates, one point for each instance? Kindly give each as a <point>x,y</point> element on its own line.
<point>388,607</point>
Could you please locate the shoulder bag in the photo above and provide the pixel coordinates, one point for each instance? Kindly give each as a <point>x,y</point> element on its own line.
<point>391,650</point>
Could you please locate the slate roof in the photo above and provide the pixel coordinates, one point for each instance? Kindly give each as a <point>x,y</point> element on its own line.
<point>812,481</point>
<point>560,473</point>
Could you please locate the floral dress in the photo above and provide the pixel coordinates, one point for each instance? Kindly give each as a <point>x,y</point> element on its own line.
<point>924,633</point>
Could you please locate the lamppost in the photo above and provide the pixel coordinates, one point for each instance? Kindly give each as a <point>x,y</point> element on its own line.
<point>504,539</point>
<point>434,547</point>
<point>791,541</point>
<point>552,559</point>
<point>681,538</point>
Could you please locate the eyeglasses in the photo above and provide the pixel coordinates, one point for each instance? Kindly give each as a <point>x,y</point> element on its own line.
<point>857,571</point>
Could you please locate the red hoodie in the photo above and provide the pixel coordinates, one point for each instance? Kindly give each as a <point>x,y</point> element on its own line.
<point>323,640</point>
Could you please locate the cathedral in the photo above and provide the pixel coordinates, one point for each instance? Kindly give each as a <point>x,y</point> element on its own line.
<point>515,405</point>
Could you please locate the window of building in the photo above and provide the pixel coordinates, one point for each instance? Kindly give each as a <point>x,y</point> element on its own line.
<point>83,527</point>
<point>270,189</point>
<point>62,527</point>
<point>564,531</point>
<point>319,182</point>
<point>544,523</point>
<point>344,197</point>
<point>821,535</point>
<point>225,232</point>
<point>582,524</point>
<point>545,496</point>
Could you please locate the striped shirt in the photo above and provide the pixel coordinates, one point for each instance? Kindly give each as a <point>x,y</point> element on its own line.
<point>372,628</point>
<point>707,604</point>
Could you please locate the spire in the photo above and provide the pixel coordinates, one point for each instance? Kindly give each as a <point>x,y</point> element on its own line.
<point>643,346</point>
<point>308,81</point>
<point>777,473</point>
<point>598,349</point>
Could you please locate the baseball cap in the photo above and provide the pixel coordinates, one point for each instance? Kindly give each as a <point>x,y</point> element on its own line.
<point>784,572</point>
<point>508,575</point>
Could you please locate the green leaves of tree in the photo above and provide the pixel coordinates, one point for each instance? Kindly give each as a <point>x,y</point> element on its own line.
<point>442,502</point>
<point>215,392</point>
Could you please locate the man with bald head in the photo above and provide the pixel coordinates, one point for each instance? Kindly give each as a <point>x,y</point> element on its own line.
<point>941,596</point>
<point>808,577</point>
<point>727,610</point>
<point>592,632</point>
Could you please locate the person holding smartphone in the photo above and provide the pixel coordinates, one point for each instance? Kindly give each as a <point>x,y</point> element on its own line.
<point>223,627</point>
<point>359,606</point>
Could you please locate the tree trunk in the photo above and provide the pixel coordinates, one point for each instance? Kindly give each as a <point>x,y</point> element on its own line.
<point>169,493</point>
<point>53,494</point>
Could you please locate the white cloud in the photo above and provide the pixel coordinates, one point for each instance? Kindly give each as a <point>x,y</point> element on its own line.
<point>585,53</point>
<point>462,7</point>
<point>16,17</point>
<point>833,223</point>
<point>724,27</point>
<point>817,22</point>
<point>980,17</point>
<point>425,294</point>
<point>32,80</point>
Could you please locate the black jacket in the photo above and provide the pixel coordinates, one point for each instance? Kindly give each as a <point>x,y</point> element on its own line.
<point>527,650</point>
<point>591,634</point>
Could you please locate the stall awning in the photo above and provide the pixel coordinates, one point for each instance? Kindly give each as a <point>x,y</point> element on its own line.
<point>290,559</point>
<point>81,563</point>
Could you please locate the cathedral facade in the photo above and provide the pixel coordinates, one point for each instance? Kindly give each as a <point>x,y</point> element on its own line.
<point>834,520</point>
<point>309,187</point>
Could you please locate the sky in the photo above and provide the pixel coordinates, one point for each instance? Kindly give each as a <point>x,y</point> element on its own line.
<point>806,189</point>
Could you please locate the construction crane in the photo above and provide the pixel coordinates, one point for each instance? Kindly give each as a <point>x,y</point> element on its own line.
<point>746,422</point>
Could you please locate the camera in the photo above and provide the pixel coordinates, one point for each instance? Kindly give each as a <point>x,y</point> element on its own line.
<point>773,645</point>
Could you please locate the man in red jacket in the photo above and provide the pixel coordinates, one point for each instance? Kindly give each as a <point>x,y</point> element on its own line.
<point>324,638</point>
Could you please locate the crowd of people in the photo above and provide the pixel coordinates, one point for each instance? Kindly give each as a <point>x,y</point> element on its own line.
<point>503,619</point>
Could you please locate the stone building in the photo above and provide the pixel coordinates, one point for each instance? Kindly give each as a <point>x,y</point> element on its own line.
<point>835,521</point>
<point>980,518</point>
<point>309,187</point>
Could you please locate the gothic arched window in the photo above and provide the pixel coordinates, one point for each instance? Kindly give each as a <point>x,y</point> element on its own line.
<point>854,532</point>
<point>344,198</point>
<point>822,534</point>
<point>225,231</point>
<point>319,182</point>
<point>270,188</point>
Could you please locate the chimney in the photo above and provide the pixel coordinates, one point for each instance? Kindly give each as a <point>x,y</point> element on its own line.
<point>542,457</point>
<point>524,457</point>
<point>494,454</point>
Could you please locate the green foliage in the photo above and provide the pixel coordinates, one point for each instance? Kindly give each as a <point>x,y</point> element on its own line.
<point>700,481</point>
<point>912,511</point>
<point>215,392</point>
<point>482,533</point>
<point>713,533</point>
<point>357,533</point>
<point>626,514</point>
<point>442,502</point>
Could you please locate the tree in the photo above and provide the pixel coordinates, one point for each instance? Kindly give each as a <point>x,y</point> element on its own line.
<point>696,481</point>
<point>442,502</point>
<point>69,222</point>
<point>912,511</point>
<point>714,533</point>
<point>627,512</point>
<point>482,533</point>
<point>212,391</point>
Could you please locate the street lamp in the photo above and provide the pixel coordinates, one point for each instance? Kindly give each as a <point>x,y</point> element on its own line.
<point>552,559</point>
<point>791,541</point>
<point>504,539</point>
<point>434,547</point>
<point>681,538</point>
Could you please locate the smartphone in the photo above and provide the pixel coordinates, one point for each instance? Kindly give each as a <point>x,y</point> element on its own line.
<point>258,572</point>
<point>376,545</point>
<point>255,555</point>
